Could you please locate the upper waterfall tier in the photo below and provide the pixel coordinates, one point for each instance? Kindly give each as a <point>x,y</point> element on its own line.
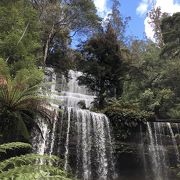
<point>73,94</point>
<point>73,99</point>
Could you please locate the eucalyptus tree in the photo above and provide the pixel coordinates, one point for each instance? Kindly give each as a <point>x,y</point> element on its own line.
<point>63,17</point>
<point>155,18</point>
<point>117,21</point>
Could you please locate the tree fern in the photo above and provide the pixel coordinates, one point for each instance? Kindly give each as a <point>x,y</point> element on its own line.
<point>30,166</point>
<point>20,102</point>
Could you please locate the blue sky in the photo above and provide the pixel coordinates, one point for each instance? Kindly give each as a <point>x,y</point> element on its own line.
<point>137,9</point>
<point>136,24</point>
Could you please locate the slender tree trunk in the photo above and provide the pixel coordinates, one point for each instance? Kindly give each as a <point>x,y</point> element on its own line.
<point>24,32</point>
<point>47,44</point>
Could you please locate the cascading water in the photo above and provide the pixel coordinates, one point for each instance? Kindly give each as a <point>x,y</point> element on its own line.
<point>162,147</point>
<point>44,143</point>
<point>174,141</point>
<point>157,152</point>
<point>53,131</point>
<point>142,152</point>
<point>93,149</point>
<point>82,137</point>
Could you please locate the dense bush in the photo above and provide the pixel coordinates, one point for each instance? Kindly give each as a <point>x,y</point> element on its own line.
<point>125,120</point>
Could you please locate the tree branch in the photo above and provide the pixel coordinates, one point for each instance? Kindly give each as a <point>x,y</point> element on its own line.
<point>23,33</point>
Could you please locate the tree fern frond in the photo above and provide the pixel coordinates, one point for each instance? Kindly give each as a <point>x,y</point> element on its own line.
<point>27,172</point>
<point>28,159</point>
<point>14,146</point>
<point>14,149</point>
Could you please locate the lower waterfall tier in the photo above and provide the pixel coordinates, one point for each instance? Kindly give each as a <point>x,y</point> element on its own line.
<point>83,139</point>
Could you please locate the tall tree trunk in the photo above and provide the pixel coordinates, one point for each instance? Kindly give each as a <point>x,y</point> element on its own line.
<point>47,43</point>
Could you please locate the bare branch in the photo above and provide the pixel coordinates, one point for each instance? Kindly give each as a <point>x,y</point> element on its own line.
<point>23,33</point>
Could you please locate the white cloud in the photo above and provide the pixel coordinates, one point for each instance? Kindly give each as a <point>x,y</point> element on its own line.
<point>148,29</point>
<point>143,7</point>
<point>168,6</point>
<point>102,7</point>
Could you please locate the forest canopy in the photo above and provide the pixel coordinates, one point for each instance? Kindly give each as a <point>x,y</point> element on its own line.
<point>35,34</point>
<point>134,80</point>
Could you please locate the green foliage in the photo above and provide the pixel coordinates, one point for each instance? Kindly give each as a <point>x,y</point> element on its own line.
<point>19,33</point>
<point>28,159</point>
<point>85,13</point>
<point>61,60</point>
<point>156,16</point>
<point>103,65</point>
<point>125,118</point>
<point>30,77</point>
<point>174,112</point>
<point>158,101</point>
<point>170,75</point>
<point>60,18</point>
<point>20,102</point>
<point>4,69</point>
<point>30,166</point>
<point>152,82</point>
<point>4,148</point>
<point>171,31</point>
<point>34,172</point>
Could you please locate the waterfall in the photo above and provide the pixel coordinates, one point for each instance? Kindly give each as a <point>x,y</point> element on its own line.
<point>157,152</point>
<point>67,138</point>
<point>161,140</point>
<point>44,143</point>
<point>53,131</point>
<point>174,141</point>
<point>81,136</point>
<point>142,151</point>
<point>94,148</point>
